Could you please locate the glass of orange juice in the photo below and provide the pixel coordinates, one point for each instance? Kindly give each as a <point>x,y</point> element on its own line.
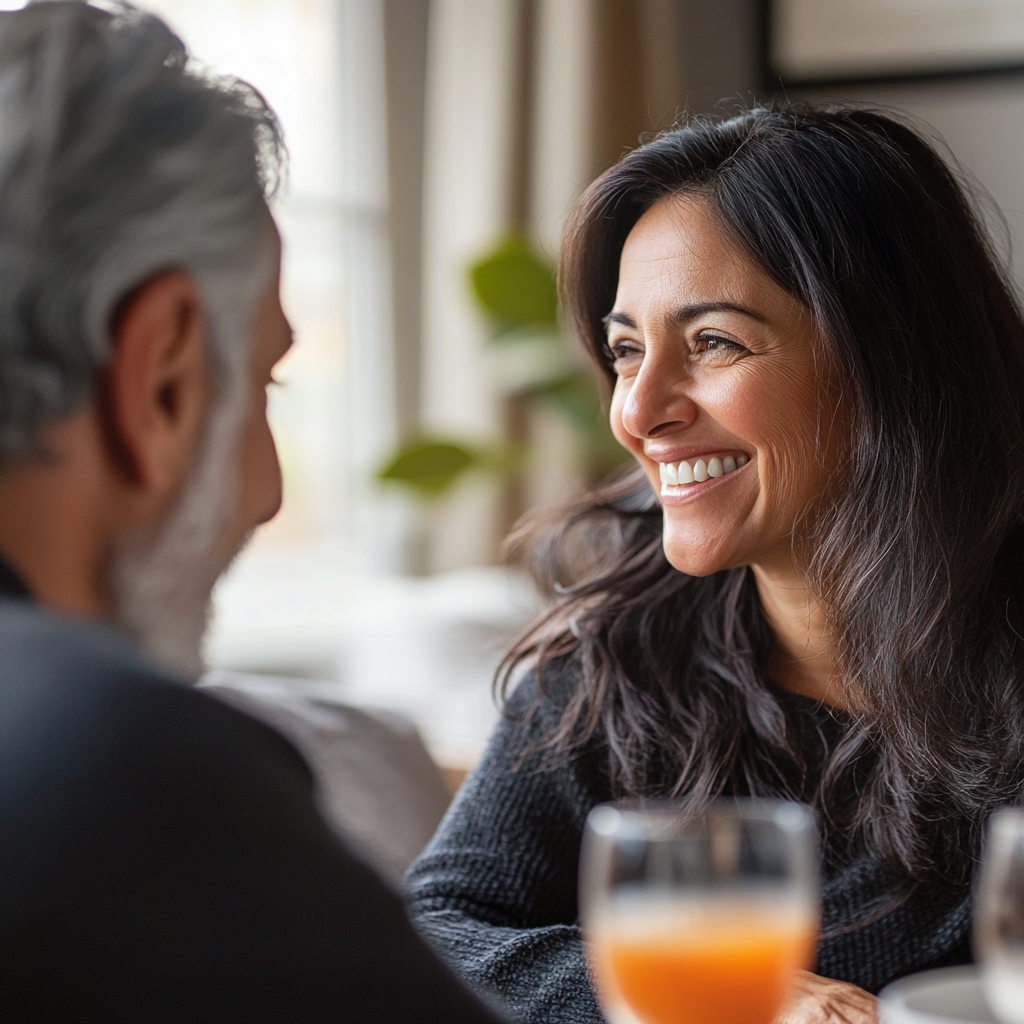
<point>698,918</point>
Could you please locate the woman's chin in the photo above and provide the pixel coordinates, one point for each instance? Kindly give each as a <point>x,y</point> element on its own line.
<point>697,559</point>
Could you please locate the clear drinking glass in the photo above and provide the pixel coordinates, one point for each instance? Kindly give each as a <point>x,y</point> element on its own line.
<point>999,916</point>
<point>698,919</point>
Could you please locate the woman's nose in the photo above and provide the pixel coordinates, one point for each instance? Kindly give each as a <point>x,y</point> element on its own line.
<point>656,404</point>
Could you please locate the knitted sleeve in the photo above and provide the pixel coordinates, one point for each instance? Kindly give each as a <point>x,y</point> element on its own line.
<point>495,890</point>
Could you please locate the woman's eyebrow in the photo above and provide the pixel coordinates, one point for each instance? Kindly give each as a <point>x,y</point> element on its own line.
<point>684,314</point>
<point>618,318</point>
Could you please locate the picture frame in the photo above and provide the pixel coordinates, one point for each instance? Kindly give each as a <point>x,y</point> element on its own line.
<point>812,42</point>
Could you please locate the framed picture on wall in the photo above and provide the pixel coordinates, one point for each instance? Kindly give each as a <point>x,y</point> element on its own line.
<point>837,40</point>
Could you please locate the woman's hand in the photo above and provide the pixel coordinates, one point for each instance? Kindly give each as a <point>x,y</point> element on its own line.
<point>820,1000</point>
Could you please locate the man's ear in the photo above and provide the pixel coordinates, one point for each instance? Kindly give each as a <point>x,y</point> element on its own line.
<point>157,385</point>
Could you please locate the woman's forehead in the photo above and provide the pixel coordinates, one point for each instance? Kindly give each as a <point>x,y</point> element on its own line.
<point>679,252</point>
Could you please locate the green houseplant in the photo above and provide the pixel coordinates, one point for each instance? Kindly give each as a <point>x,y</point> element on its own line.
<point>531,363</point>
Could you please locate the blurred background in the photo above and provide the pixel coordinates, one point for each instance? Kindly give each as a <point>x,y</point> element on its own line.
<point>436,147</point>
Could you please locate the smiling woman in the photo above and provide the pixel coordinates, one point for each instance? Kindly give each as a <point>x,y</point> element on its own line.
<point>812,585</point>
<point>715,366</point>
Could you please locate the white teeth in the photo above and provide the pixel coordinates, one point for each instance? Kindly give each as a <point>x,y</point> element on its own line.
<point>673,475</point>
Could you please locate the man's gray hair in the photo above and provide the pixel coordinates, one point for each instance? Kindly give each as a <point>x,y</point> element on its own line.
<point>118,160</point>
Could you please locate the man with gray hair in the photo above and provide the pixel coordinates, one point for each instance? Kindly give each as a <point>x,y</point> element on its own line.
<point>162,855</point>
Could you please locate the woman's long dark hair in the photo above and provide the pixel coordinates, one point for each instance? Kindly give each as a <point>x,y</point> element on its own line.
<point>918,556</point>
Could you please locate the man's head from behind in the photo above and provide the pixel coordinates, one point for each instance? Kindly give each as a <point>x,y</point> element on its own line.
<point>139,319</point>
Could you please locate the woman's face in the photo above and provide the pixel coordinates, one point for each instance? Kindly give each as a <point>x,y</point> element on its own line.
<point>717,384</point>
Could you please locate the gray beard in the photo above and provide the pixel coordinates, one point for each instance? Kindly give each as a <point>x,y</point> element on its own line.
<point>162,577</point>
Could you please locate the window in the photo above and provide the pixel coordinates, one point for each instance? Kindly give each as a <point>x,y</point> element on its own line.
<point>307,599</point>
<point>320,65</point>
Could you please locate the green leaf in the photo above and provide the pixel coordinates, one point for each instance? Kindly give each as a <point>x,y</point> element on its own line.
<point>514,285</point>
<point>428,465</point>
<point>503,459</point>
<point>573,394</point>
<point>431,466</point>
<point>527,359</point>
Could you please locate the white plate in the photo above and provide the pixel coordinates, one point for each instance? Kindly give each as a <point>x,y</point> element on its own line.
<point>951,995</point>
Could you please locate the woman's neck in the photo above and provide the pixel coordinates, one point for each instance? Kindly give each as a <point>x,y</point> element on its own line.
<point>802,660</point>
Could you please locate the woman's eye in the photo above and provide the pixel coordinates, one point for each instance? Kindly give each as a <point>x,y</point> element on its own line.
<point>620,350</point>
<point>717,344</point>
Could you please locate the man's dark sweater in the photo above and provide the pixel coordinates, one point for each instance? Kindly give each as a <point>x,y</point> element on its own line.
<point>496,888</point>
<point>163,858</point>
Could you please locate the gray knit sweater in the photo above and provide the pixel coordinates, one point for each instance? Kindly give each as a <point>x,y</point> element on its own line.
<point>495,890</point>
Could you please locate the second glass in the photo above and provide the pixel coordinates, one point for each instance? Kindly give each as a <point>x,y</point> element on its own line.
<point>999,923</point>
<point>698,919</point>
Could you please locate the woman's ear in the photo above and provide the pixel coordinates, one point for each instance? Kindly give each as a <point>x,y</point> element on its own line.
<point>157,385</point>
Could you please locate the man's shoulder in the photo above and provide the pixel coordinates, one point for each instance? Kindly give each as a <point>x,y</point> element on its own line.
<point>164,859</point>
<point>40,644</point>
<point>102,751</point>
<point>76,697</point>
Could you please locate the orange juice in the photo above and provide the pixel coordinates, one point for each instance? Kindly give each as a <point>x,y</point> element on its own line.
<point>701,962</point>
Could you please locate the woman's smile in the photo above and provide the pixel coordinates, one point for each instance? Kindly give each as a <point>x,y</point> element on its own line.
<point>678,478</point>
